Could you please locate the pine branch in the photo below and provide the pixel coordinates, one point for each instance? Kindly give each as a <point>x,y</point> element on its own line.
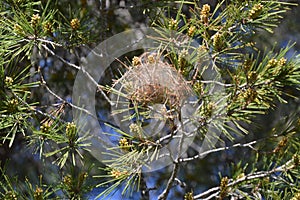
<point>215,191</point>
<point>59,57</point>
<point>99,87</point>
<point>44,84</point>
<point>203,154</point>
<point>165,193</point>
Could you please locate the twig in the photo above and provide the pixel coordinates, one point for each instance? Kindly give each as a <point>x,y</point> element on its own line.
<point>217,83</point>
<point>180,183</point>
<point>59,57</point>
<point>53,44</point>
<point>144,189</point>
<point>78,68</point>
<point>43,82</point>
<point>249,145</point>
<point>164,194</point>
<point>32,108</point>
<point>255,175</point>
<point>99,87</point>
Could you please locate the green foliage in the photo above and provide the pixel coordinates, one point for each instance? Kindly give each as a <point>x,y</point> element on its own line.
<point>255,82</point>
<point>12,189</point>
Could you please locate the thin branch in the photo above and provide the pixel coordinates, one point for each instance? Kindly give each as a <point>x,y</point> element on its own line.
<point>256,175</point>
<point>249,145</point>
<point>43,82</point>
<point>218,83</point>
<point>53,44</point>
<point>172,179</point>
<point>164,194</point>
<point>99,87</point>
<point>144,189</point>
<point>180,183</point>
<point>59,57</point>
<point>36,111</point>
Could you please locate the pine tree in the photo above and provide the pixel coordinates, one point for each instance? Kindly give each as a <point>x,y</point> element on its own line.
<point>202,103</point>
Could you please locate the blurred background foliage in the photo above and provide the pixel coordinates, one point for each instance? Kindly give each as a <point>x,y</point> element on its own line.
<point>40,39</point>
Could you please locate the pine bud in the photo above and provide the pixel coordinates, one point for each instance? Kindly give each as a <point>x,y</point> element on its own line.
<point>182,58</point>
<point>191,31</point>
<point>67,180</point>
<point>151,59</point>
<point>296,196</point>
<point>47,27</point>
<point>124,144</point>
<point>252,76</point>
<point>12,105</point>
<point>10,195</point>
<point>296,159</point>
<point>198,88</point>
<point>209,109</point>
<point>255,11</point>
<point>218,42</point>
<point>282,62</point>
<point>45,128</point>
<point>82,177</point>
<point>38,194</point>
<point>136,129</point>
<point>35,19</point>
<point>117,173</point>
<point>75,23</point>
<point>18,29</point>
<point>136,61</point>
<point>205,9</point>
<point>71,131</point>
<point>223,187</point>
<point>8,81</point>
<point>247,64</point>
<point>173,23</point>
<point>205,13</point>
<point>272,63</point>
<point>281,144</point>
<point>189,196</point>
<point>248,96</point>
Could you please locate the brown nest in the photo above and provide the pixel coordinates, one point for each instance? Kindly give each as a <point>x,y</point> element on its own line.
<point>152,81</point>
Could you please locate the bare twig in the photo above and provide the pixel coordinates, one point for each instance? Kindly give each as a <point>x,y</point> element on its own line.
<point>249,145</point>
<point>217,83</point>
<point>59,57</point>
<point>164,194</point>
<point>34,110</point>
<point>172,179</point>
<point>53,44</point>
<point>180,183</point>
<point>99,87</point>
<point>43,82</point>
<point>144,189</point>
<point>214,192</point>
